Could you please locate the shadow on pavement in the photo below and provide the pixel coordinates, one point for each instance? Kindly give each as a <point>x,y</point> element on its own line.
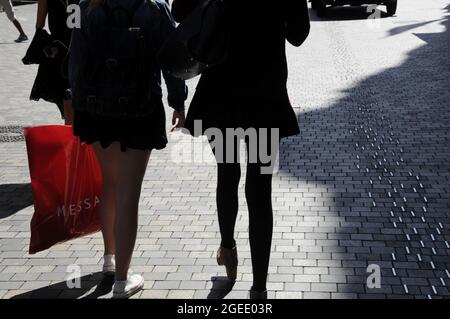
<point>222,286</point>
<point>13,198</point>
<point>60,290</point>
<point>409,27</point>
<point>405,111</point>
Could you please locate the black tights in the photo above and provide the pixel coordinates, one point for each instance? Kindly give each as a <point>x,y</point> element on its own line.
<point>258,192</point>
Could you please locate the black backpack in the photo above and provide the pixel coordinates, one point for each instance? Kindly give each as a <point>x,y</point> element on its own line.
<point>200,43</point>
<point>114,75</point>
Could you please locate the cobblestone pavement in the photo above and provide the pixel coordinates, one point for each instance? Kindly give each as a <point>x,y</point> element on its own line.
<point>366,182</point>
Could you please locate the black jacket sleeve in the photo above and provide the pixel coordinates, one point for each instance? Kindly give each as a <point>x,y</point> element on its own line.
<point>297,22</point>
<point>176,88</point>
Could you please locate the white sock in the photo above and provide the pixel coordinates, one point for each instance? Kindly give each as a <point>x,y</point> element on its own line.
<point>109,259</point>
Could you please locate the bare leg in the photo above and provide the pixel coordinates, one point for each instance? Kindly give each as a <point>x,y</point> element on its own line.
<point>18,27</point>
<point>109,163</point>
<point>133,164</point>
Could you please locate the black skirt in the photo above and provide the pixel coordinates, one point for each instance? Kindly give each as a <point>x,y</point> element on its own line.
<point>145,133</point>
<point>203,115</point>
<point>228,98</point>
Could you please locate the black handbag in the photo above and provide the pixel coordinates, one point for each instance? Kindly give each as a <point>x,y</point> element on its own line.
<point>200,42</point>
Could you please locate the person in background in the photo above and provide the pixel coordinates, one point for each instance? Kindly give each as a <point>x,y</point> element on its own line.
<point>248,91</point>
<point>56,12</point>
<point>9,10</point>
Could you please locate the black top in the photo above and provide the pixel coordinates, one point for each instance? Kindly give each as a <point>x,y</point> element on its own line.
<point>142,133</point>
<point>57,19</point>
<point>249,90</point>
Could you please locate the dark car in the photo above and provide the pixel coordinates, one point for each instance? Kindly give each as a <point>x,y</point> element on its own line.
<point>20,2</point>
<point>321,5</point>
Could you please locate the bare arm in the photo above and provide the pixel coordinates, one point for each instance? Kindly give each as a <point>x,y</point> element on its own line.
<point>41,14</point>
<point>176,88</point>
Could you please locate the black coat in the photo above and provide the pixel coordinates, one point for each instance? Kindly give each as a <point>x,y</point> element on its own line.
<point>50,83</point>
<point>249,90</point>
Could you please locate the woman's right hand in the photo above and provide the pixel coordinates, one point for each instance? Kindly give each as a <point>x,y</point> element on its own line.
<point>178,120</point>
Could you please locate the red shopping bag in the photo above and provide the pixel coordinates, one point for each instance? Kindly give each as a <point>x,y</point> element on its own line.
<point>66,185</point>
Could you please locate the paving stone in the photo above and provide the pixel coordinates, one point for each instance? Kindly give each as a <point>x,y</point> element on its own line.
<point>316,295</point>
<point>172,284</point>
<point>288,295</point>
<point>181,294</point>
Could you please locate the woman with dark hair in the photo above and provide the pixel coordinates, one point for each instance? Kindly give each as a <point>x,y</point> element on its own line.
<point>56,11</point>
<point>248,91</point>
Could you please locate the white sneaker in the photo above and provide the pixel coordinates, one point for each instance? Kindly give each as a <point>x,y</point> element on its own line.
<point>127,288</point>
<point>109,265</point>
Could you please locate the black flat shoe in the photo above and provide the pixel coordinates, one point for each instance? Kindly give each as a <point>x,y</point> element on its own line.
<point>228,258</point>
<point>258,294</point>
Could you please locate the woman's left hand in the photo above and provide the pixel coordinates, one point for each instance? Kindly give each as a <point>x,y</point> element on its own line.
<point>178,120</point>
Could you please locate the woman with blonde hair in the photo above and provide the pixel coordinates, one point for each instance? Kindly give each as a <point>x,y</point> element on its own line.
<point>117,96</point>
